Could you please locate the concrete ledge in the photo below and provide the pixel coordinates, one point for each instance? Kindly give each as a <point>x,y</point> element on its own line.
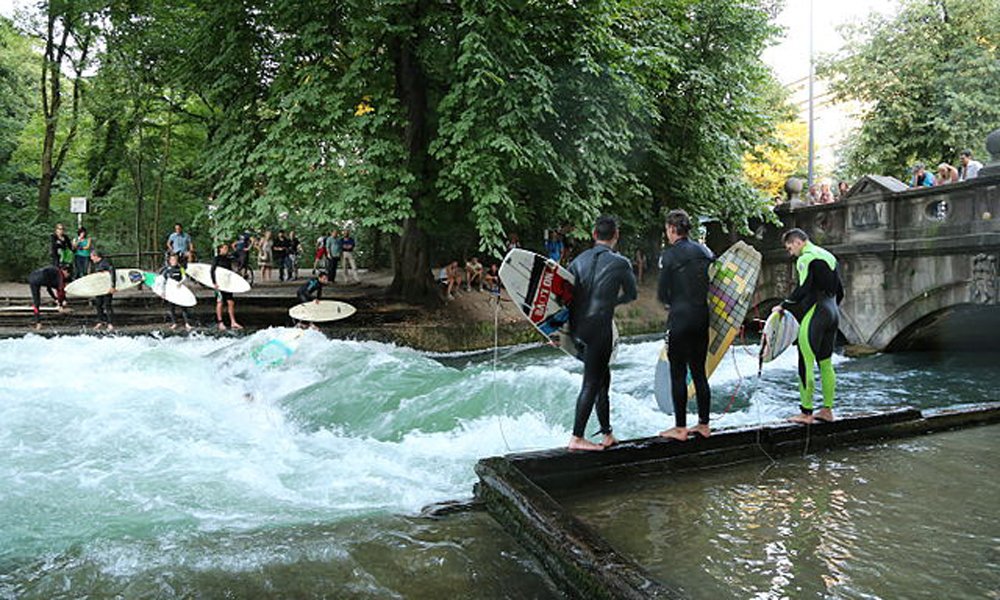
<point>517,489</point>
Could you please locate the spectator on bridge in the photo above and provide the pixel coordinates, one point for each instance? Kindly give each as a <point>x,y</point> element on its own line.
<point>946,174</point>
<point>921,178</point>
<point>825,193</point>
<point>180,243</point>
<point>813,196</point>
<point>842,189</point>
<point>554,246</point>
<point>970,168</point>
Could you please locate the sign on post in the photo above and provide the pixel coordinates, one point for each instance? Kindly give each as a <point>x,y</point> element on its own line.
<point>78,204</point>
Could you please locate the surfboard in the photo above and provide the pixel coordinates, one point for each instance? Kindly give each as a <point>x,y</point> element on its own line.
<point>542,289</point>
<point>278,349</point>
<point>780,331</point>
<point>97,284</point>
<point>171,290</point>
<point>732,280</point>
<point>228,280</point>
<point>324,310</point>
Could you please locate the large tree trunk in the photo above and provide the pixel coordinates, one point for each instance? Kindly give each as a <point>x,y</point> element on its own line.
<point>412,280</point>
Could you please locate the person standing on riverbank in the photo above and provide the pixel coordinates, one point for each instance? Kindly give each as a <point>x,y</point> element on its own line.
<point>102,303</point>
<point>683,289</point>
<point>333,251</point>
<point>81,253</point>
<point>180,243</point>
<point>815,303</point>
<point>347,244</point>
<point>604,280</point>
<point>60,247</point>
<point>53,279</point>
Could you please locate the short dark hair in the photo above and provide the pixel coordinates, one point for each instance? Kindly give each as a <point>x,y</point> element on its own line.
<point>178,225</point>
<point>605,228</point>
<point>796,234</point>
<point>680,221</point>
<point>82,230</point>
<point>966,153</point>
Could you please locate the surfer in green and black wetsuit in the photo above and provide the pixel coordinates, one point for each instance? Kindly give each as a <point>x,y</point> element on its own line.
<point>814,302</point>
<point>175,271</point>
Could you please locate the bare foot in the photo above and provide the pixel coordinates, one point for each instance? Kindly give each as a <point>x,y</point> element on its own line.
<point>803,419</point>
<point>702,429</point>
<point>173,326</point>
<point>578,443</point>
<point>38,326</point>
<point>111,327</point>
<point>676,433</point>
<point>235,326</point>
<point>609,440</point>
<point>221,326</point>
<point>98,326</point>
<point>188,326</point>
<point>824,414</point>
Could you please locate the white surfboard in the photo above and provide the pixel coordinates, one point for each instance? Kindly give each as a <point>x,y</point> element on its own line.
<point>228,280</point>
<point>780,331</point>
<point>97,284</point>
<point>322,311</point>
<point>542,289</point>
<point>171,290</point>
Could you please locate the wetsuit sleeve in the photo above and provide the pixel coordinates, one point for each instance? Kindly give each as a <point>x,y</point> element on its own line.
<point>215,264</point>
<point>628,291</point>
<point>319,290</point>
<point>663,284</point>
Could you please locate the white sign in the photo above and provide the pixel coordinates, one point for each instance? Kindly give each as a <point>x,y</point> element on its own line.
<point>78,204</point>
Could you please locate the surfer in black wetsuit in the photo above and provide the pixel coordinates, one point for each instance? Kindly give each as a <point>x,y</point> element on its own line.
<point>815,303</point>
<point>603,279</point>
<point>224,260</point>
<point>175,271</point>
<point>312,289</point>
<point>683,289</point>
<point>103,302</point>
<point>54,280</point>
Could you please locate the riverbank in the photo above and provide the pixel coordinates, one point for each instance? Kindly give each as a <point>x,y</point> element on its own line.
<point>472,321</point>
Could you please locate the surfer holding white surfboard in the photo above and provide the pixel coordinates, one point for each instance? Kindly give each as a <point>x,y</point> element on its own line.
<point>683,289</point>
<point>223,260</point>
<point>815,302</point>
<point>175,272</point>
<point>603,280</point>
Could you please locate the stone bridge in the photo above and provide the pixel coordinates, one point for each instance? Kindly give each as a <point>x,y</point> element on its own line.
<point>920,266</point>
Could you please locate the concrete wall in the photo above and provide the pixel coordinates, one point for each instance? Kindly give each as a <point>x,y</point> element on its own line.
<point>905,256</point>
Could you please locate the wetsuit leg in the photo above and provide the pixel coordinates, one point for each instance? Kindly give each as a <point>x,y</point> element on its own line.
<point>696,362</point>
<point>172,313</point>
<point>687,353</point>
<point>36,300</point>
<point>302,297</point>
<point>817,335</point>
<point>679,355</point>
<point>603,405</point>
<point>596,375</point>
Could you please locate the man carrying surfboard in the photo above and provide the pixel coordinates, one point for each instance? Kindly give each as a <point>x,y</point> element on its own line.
<point>102,303</point>
<point>683,289</point>
<point>53,279</point>
<point>225,260</point>
<point>604,280</point>
<point>175,271</point>
<point>814,302</point>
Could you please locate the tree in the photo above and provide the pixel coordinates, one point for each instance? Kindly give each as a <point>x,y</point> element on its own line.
<point>927,79</point>
<point>69,36</point>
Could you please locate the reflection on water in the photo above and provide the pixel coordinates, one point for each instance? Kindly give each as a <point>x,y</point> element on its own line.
<point>914,519</point>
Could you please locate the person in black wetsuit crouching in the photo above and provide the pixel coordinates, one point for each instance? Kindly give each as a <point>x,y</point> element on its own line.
<point>683,289</point>
<point>603,280</point>
<point>54,280</point>
<point>312,290</point>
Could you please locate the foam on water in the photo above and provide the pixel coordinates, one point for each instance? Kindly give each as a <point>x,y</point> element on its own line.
<point>113,443</point>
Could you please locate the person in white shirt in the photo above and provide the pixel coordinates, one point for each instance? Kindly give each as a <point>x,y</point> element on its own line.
<point>970,168</point>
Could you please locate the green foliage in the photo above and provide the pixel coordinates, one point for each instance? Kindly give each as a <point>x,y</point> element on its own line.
<point>927,78</point>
